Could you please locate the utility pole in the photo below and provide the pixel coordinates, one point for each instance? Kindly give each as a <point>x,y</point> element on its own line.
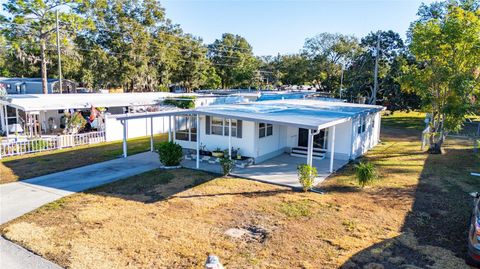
<point>59,57</point>
<point>341,82</point>
<point>373,100</point>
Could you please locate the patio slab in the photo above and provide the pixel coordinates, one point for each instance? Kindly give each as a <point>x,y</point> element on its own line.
<point>280,170</point>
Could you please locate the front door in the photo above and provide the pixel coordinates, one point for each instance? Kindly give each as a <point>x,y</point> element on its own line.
<point>319,140</point>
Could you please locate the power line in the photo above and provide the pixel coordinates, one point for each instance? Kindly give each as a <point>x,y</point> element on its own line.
<point>178,60</point>
<point>165,48</point>
<point>162,33</point>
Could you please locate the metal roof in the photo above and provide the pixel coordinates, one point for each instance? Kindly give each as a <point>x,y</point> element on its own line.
<point>33,80</point>
<point>39,102</point>
<point>310,114</point>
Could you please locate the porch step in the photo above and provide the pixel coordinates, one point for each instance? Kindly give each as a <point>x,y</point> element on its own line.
<point>318,154</point>
<point>305,149</point>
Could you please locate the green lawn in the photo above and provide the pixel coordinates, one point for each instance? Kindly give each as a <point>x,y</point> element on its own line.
<point>32,165</point>
<point>404,120</point>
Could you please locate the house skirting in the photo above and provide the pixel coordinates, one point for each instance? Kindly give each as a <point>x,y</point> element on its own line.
<point>270,155</point>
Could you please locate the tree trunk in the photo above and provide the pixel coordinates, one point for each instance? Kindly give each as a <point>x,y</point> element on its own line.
<point>44,67</point>
<point>436,147</point>
<point>436,143</point>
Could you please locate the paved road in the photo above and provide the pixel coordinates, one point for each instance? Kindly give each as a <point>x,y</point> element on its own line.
<point>18,198</point>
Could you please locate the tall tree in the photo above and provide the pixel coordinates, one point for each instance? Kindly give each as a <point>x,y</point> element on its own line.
<point>293,69</point>
<point>360,74</point>
<point>446,44</point>
<point>194,65</point>
<point>30,28</point>
<point>123,42</point>
<point>328,54</point>
<point>233,59</point>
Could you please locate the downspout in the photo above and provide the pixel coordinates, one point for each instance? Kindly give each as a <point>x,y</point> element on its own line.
<point>352,138</point>
<point>310,145</point>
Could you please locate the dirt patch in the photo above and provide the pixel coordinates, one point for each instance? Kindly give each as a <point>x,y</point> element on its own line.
<point>249,233</point>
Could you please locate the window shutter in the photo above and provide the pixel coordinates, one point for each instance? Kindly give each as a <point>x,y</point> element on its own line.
<point>207,125</point>
<point>239,129</point>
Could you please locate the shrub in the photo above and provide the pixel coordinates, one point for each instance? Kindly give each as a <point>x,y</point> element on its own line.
<point>170,153</point>
<point>306,176</point>
<point>365,172</point>
<point>181,102</point>
<point>74,123</point>
<point>227,164</point>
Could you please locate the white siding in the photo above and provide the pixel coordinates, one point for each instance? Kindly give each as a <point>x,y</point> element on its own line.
<point>348,143</point>
<point>343,138</point>
<point>270,146</point>
<point>292,136</point>
<point>211,142</point>
<point>369,138</point>
<point>135,127</point>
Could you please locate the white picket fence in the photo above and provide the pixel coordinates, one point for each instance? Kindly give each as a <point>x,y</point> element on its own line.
<point>15,147</point>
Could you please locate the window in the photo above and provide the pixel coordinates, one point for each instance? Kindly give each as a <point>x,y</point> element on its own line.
<point>219,126</point>
<point>234,128</point>
<point>361,125</point>
<point>186,128</point>
<point>265,129</point>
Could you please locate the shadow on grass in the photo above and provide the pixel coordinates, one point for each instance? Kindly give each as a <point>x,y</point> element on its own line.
<point>246,194</point>
<point>158,185</point>
<point>435,231</point>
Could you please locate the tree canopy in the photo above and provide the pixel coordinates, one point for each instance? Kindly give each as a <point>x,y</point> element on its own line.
<point>445,42</point>
<point>132,45</point>
<point>31,27</point>
<point>234,62</point>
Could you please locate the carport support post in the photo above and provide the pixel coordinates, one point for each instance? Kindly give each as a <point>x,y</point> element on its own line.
<point>6,121</point>
<point>310,148</point>
<point>16,121</point>
<point>198,142</point>
<point>332,149</point>
<point>151,134</point>
<point>230,139</point>
<point>169,128</point>
<point>124,123</point>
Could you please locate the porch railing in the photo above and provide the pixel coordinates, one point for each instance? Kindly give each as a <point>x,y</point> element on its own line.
<point>19,146</point>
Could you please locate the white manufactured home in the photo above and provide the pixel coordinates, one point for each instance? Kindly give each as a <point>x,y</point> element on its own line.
<point>44,114</point>
<point>275,136</point>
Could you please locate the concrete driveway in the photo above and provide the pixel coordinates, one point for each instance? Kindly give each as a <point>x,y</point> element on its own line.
<point>21,197</point>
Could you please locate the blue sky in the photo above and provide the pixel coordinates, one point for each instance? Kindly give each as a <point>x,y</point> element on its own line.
<point>275,26</point>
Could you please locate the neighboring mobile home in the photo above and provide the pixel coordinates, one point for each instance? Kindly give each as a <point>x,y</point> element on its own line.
<point>34,85</point>
<point>44,114</point>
